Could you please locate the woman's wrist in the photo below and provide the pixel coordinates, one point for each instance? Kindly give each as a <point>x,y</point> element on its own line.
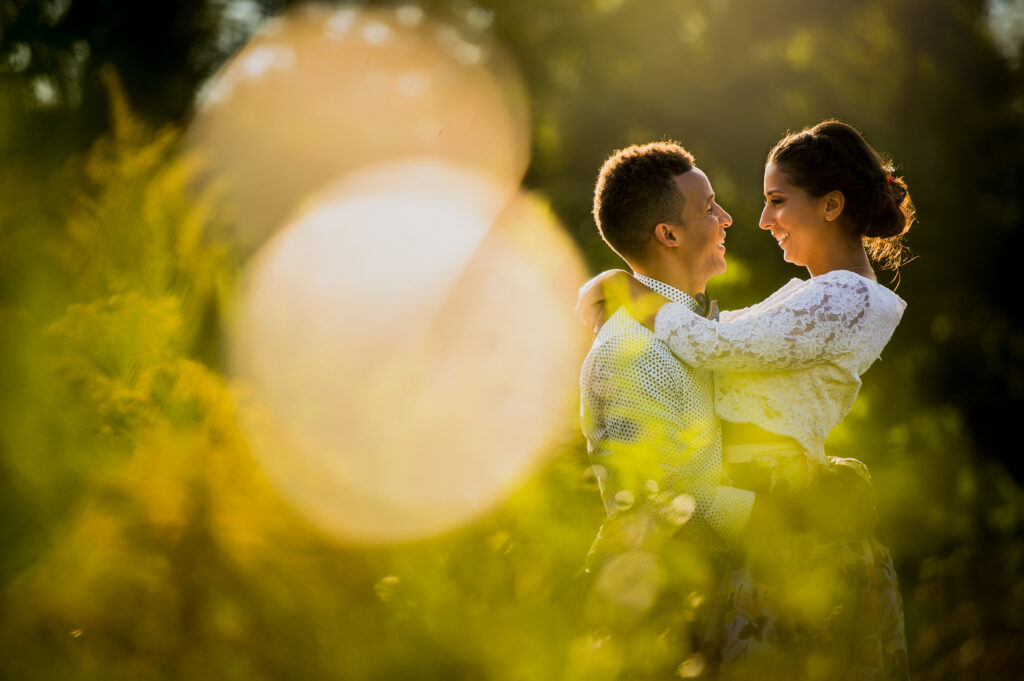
<point>600,297</point>
<point>644,303</point>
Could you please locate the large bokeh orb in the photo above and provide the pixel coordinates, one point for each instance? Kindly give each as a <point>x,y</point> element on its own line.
<point>321,91</point>
<point>409,349</point>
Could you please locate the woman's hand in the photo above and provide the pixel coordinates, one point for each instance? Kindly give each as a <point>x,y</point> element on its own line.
<point>600,297</point>
<point>593,305</point>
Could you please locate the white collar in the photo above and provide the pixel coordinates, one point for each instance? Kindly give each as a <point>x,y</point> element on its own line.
<point>670,292</point>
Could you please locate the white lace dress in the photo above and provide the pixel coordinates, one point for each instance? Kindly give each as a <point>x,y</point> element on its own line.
<point>800,605</point>
<point>791,363</point>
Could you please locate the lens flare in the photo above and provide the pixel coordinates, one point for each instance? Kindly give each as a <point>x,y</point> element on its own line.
<point>410,349</point>
<point>320,92</point>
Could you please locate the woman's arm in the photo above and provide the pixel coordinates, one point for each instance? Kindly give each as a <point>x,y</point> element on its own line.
<point>815,324</point>
<point>600,297</point>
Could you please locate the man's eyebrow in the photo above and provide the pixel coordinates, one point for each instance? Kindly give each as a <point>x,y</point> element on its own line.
<point>709,199</point>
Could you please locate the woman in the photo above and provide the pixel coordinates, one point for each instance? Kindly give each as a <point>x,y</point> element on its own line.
<point>804,602</point>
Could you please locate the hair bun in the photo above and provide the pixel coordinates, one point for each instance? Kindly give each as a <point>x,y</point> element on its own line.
<point>891,217</point>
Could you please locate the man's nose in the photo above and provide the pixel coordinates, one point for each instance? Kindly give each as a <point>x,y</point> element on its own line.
<point>724,218</point>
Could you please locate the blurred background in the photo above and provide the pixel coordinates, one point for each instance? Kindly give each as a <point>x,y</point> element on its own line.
<point>389,205</point>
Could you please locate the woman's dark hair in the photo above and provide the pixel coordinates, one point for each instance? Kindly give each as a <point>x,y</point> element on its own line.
<point>834,156</point>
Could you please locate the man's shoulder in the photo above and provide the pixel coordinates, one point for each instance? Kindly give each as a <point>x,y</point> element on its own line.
<point>624,344</point>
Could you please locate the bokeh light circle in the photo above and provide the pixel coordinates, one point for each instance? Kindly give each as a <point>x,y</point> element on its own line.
<point>321,91</point>
<point>410,349</point>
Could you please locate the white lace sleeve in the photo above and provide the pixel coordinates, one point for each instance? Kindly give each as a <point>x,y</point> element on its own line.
<point>813,324</point>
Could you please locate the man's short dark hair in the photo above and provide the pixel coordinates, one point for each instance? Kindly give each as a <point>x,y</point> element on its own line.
<point>635,191</point>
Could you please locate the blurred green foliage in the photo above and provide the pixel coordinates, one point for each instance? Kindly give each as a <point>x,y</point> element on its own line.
<point>140,539</point>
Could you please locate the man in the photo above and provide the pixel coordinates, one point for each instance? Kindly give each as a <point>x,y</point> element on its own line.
<point>653,437</point>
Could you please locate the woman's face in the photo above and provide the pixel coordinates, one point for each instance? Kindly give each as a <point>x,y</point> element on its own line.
<point>795,218</point>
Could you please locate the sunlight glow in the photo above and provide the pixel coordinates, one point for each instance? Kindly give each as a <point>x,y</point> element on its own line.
<point>320,91</point>
<point>409,348</point>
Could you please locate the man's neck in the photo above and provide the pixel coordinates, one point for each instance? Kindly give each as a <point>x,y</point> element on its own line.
<point>673,276</point>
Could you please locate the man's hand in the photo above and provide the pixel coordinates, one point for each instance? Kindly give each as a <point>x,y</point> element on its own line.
<point>842,500</point>
<point>840,504</point>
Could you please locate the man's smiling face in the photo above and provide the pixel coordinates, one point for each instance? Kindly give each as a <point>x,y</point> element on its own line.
<point>703,223</point>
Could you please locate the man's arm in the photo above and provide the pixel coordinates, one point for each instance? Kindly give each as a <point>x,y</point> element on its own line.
<point>652,454</point>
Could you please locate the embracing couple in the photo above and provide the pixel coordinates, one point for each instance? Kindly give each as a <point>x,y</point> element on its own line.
<point>733,545</point>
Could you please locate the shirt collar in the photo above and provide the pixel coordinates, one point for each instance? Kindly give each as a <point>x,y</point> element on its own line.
<point>670,292</point>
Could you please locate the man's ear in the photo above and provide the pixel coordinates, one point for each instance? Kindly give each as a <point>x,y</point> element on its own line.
<point>668,235</point>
